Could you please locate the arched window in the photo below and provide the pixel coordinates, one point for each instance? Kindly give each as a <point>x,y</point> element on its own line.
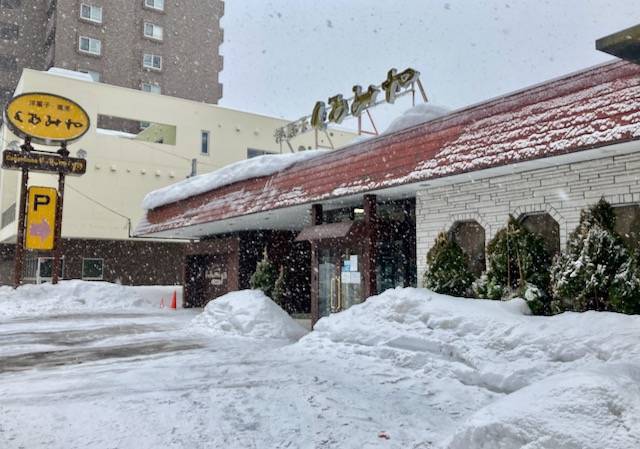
<point>546,227</point>
<point>471,238</point>
<point>628,224</point>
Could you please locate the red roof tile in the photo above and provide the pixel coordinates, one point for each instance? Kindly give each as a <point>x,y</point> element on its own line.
<point>597,107</point>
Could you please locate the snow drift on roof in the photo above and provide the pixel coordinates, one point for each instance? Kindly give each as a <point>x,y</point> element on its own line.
<point>239,171</point>
<point>421,113</point>
<point>80,76</point>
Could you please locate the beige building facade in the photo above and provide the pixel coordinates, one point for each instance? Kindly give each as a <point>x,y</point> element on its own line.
<point>123,166</point>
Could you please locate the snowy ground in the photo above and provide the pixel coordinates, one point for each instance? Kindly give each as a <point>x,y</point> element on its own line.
<point>408,369</point>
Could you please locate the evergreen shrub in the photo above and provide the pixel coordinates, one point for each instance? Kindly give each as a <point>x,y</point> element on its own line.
<point>448,268</point>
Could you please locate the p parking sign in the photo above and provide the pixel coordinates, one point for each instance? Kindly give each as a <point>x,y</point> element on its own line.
<point>41,218</point>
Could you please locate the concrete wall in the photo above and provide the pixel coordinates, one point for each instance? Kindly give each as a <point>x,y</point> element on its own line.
<point>189,48</point>
<point>562,191</point>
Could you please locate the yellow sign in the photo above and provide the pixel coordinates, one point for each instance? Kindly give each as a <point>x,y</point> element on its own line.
<point>41,218</point>
<point>46,118</point>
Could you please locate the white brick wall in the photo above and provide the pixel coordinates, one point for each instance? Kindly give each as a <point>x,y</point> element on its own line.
<point>562,191</point>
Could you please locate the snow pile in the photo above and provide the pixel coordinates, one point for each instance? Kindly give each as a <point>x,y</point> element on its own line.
<point>512,380</point>
<point>248,313</point>
<point>238,171</point>
<point>66,73</point>
<point>67,297</point>
<point>421,113</point>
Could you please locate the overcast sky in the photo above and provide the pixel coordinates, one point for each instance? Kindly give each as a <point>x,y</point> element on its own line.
<point>281,56</point>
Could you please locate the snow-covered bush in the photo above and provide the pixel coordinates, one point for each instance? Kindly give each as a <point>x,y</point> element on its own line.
<point>447,268</point>
<point>597,271</point>
<point>517,263</point>
<point>279,290</point>
<point>265,275</point>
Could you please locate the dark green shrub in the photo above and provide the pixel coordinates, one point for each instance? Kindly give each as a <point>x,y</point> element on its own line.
<point>447,268</point>
<point>517,263</point>
<point>597,271</point>
<point>264,277</point>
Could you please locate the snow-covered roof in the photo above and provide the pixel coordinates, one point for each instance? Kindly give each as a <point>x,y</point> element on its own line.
<point>66,73</point>
<point>242,170</point>
<point>417,115</point>
<point>590,109</point>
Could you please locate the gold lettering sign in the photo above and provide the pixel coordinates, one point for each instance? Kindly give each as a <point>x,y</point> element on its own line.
<point>47,118</point>
<point>339,109</point>
<point>363,100</point>
<point>319,115</point>
<point>395,82</point>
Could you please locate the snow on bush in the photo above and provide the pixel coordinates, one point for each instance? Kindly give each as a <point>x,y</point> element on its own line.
<point>508,378</point>
<point>239,171</point>
<point>248,313</point>
<point>421,113</point>
<point>66,297</point>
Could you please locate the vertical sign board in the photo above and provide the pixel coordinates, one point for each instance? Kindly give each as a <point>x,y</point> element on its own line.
<point>41,218</point>
<point>52,120</point>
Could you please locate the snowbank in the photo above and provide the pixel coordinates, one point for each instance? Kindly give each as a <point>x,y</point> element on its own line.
<point>70,296</point>
<point>421,113</point>
<point>248,313</point>
<point>239,171</point>
<point>514,380</point>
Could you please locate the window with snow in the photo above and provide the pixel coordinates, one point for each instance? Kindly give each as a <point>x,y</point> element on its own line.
<point>628,224</point>
<point>92,269</point>
<point>91,13</point>
<point>153,31</point>
<point>546,227</point>
<point>151,61</point>
<point>470,236</point>
<point>154,88</point>
<point>90,45</point>
<point>155,4</point>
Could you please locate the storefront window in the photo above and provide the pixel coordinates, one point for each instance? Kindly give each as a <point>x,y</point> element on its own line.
<point>546,227</point>
<point>628,224</point>
<point>470,236</point>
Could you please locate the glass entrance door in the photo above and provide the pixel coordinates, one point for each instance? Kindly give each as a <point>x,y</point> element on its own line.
<point>340,280</point>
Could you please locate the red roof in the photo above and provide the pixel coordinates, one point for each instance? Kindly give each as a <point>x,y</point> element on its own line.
<point>593,108</point>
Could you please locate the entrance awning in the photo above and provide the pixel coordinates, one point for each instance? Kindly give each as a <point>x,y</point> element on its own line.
<point>325,231</point>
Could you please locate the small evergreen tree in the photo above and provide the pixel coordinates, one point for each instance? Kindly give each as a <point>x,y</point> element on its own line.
<point>447,268</point>
<point>518,265</point>
<point>279,292</point>
<point>597,272</point>
<point>264,277</point>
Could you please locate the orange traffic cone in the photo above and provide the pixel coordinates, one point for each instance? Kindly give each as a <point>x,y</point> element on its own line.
<point>173,300</point>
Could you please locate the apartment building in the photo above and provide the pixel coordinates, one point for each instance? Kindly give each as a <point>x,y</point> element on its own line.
<point>153,45</point>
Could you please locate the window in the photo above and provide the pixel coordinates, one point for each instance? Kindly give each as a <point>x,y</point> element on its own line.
<point>471,238</point>
<point>151,87</point>
<point>94,75</point>
<point>11,4</point>
<point>90,12</point>
<point>151,61</point>
<point>546,227</point>
<point>155,4</point>
<point>8,31</point>
<point>252,152</point>
<point>204,146</point>
<point>92,269</point>
<point>90,45</point>
<point>153,31</point>
<point>628,224</point>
